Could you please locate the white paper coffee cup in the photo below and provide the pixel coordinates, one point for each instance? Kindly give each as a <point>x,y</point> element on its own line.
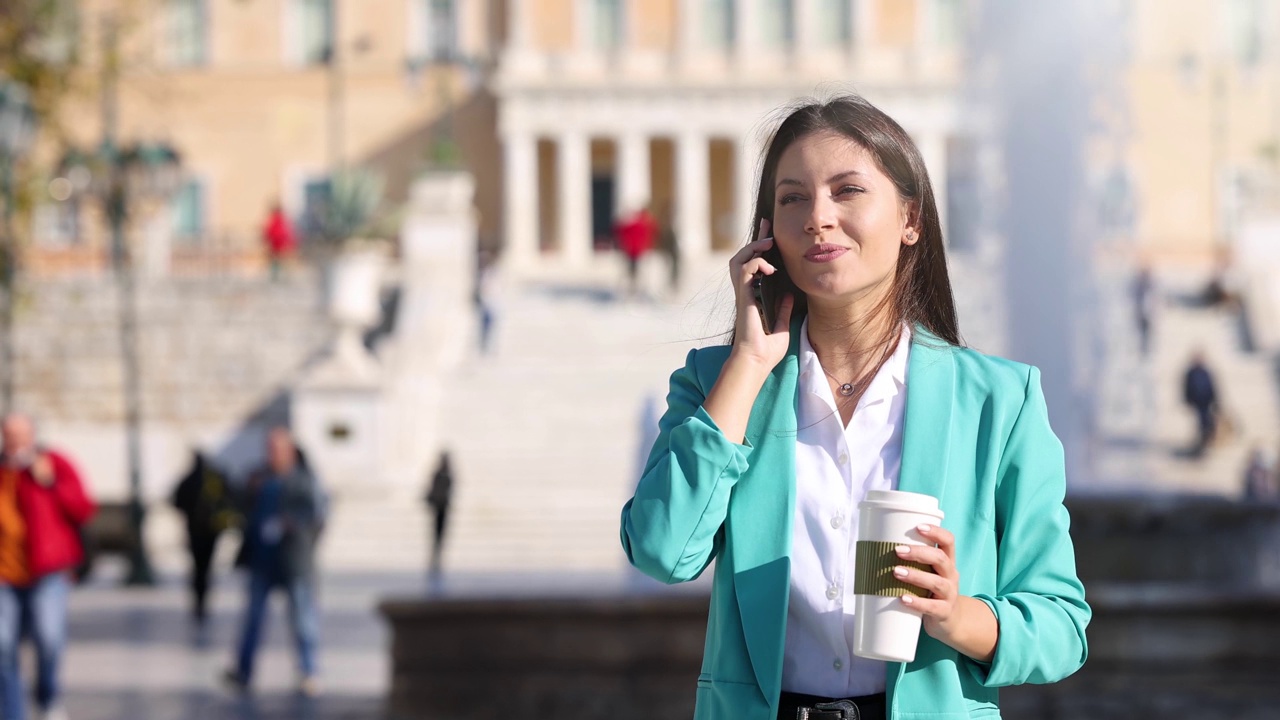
<point>884,629</point>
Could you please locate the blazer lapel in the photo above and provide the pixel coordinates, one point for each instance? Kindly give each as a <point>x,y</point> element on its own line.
<point>931,379</point>
<point>761,517</point>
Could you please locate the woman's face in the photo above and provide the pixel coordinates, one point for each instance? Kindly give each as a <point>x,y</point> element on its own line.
<point>837,219</point>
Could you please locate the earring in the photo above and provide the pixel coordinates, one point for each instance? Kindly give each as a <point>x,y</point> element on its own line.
<point>911,236</point>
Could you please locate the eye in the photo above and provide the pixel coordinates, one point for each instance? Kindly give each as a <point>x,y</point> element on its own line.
<point>788,199</point>
<point>848,190</point>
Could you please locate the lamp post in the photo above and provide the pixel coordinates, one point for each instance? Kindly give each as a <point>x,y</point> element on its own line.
<point>117,176</point>
<point>17,132</point>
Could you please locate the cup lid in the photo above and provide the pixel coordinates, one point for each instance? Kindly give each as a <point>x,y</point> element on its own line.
<point>900,500</point>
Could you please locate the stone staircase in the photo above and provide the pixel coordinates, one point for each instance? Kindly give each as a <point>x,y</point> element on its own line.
<point>1141,404</point>
<point>547,431</point>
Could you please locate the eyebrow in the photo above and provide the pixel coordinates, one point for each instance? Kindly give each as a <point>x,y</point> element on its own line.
<point>833,178</point>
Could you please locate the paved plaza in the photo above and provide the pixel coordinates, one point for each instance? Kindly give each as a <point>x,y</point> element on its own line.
<point>133,655</point>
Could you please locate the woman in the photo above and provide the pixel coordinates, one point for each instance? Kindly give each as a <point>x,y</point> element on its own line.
<point>769,443</point>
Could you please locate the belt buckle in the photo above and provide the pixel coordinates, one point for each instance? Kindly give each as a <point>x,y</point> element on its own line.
<point>837,710</point>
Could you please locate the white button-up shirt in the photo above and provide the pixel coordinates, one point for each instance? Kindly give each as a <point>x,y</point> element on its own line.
<point>835,467</point>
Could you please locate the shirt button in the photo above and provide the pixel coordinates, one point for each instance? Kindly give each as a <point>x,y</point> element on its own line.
<point>833,592</point>
<point>837,521</point>
<point>844,458</point>
<point>837,664</point>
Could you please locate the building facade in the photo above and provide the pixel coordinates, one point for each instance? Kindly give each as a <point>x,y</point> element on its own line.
<point>607,106</point>
<point>264,99</point>
<point>1202,140</point>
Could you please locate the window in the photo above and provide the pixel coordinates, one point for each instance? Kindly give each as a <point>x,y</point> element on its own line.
<point>606,24</point>
<point>948,22</point>
<point>57,224</point>
<point>834,23</point>
<point>61,32</point>
<point>1244,22</point>
<point>777,24</point>
<point>316,195</point>
<point>717,23</point>
<point>187,33</point>
<point>442,29</point>
<point>315,18</point>
<point>188,207</point>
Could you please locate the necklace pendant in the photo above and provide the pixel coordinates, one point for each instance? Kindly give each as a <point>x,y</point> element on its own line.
<point>846,389</point>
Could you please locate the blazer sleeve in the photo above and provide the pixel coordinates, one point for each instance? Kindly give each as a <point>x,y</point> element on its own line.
<point>1039,601</point>
<point>669,527</point>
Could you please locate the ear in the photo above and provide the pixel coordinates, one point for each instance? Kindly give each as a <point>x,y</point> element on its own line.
<point>911,224</point>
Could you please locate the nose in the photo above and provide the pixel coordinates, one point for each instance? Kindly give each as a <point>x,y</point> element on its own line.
<point>822,216</point>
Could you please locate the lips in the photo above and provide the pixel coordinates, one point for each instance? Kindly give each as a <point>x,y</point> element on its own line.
<point>824,253</point>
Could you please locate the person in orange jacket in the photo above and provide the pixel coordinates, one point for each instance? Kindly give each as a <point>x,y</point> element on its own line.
<point>43,506</point>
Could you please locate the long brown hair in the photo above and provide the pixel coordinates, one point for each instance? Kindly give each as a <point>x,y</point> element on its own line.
<point>921,294</point>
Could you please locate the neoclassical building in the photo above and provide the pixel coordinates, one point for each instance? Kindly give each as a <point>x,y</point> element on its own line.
<point>605,106</point>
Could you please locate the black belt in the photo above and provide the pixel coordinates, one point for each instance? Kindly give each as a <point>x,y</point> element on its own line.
<point>796,706</point>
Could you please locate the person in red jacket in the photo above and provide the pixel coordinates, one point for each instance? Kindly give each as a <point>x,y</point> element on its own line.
<point>636,235</point>
<point>43,505</point>
<point>277,235</point>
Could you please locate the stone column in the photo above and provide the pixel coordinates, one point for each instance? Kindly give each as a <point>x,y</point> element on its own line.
<point>520,200</point>
<point>746,175</point>
<point>804,19</point>
<point>633,173</point>
<point>687,19</point>
<point>693,198</point>
<point>517,25</point>
<point>573,185</point>
<point>933,147</point>
<point>863,34</point>
<point>746,35</point>
<point>579,29</point>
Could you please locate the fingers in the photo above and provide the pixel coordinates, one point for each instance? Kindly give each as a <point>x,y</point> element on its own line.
<point>750,250</point>
<point>940,537</point>
<point>928,555</point>
<point>940,587</point>
<point>783,322</point>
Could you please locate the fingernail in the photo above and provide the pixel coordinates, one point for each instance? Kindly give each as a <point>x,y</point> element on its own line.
<point>902,549</point>
<point>924,528</point>
<point>907,599</point>
<point>900,571</point>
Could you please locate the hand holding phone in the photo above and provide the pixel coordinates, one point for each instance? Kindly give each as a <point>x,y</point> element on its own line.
<point>761,292</point>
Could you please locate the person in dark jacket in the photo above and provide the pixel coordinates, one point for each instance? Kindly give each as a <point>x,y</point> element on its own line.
<point>438,498</point>
<point>43,507</point>
<point>1199,391</point>
<point>204,499</point>
<point>284,509</point>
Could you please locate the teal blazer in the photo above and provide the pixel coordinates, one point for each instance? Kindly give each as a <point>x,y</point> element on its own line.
<point>977,437</point>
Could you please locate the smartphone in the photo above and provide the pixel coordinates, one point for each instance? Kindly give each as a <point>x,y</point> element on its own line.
<point>767,289</point>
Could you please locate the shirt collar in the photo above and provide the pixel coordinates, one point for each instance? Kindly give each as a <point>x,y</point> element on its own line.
<point>891,378</point>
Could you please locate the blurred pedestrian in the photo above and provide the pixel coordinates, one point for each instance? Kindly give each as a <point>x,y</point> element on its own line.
<point>277,235</point>
<point>636,235</point>
<point>671,245</point>
<point>1200,392</point>
<point>43,508</point>
<point>438,498</point>
<point>284,508</point>
<point>485,298</point>
<point>1259,476</point>
<point>204,499</point>
<point>1143,301</point>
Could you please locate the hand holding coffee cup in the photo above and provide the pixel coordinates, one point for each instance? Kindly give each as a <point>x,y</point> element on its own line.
<point>887,624</point>
<point>939,605</point>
